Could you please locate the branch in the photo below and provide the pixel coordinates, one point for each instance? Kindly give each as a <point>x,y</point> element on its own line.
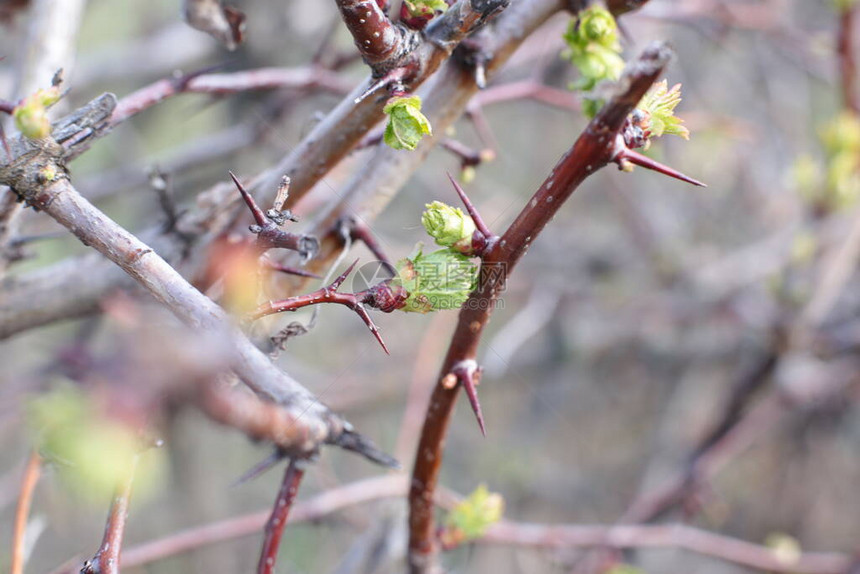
<point>29,176</point>
<point>224,84</point>
<point>224,23</point>
<point>278,520</point>
<point>378,40</point>
<point>595,148</point>
<point>665,536</point>
<point>847,62</point>
<point>313,509</point>
<point>106,560</point>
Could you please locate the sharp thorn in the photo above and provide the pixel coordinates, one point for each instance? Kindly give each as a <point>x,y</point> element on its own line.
<point>473,211</point>
<point>472,393</point>
<point>261,467</point>
<point>641,160</point>
<point>258,214</point>
<point>365,316</point>
<point>337,282</point>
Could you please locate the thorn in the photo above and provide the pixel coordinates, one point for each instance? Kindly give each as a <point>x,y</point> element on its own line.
<point>392,76</point>
<point>261,467</point>
<point>473,212</point>
<point>357,229</point>
<point>469,374</point>
<point>289,270</point>
<point>365,316</point>
<point>641,160</point>
<point>337,282</point>
<point>258,214</point>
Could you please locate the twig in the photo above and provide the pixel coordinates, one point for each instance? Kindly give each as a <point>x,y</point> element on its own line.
<point>278,519</point>
<point>106,560</point>
<point>665,536</point>
<point>60,200</point>
<point>314,508</point>
<point>22,512</point>
<point>226,83</point>
<point>847,62</point>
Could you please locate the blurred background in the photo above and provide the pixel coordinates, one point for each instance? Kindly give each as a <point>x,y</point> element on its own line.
<point>646,322</point>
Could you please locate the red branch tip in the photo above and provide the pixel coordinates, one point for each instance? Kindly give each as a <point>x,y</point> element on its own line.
<point>468,373</point>
<point>636,158</point>
<point>327,294</point>
<point>278,519</point>
<point>473,211</point>
<point>258,214</point>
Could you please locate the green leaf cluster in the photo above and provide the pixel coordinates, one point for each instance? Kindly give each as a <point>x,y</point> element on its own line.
<point>835,183</point>
<point>439,280</point>
<point>471,518</point>
<point>593,47</point>
<point>659,105</point>
<point>406,124</point>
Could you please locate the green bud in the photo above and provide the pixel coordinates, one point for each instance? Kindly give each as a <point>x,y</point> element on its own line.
<point>425,7</point>
<point>471,518</point>
<point>31,117</point>
<point>660,103</point>
<point>593,47</point>
<point>406,124</point>
<point>439,280</point>
<point>449,226</point>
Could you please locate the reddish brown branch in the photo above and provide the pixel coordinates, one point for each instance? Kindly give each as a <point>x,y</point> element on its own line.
<point>595,148</point>
<point>665,536</point>
<point>224,84</point>
<point>315,508</point>
<point>106,560</point>
<point>376,37</point>
<point>22,511</point>
<point>382,296</point>
<point>278,519</point>
<point>847,62</point>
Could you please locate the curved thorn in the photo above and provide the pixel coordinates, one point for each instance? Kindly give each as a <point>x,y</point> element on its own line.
<point>342,277</point>
<point>362,312</point>
<point>473,211</point>
<point>258,214</point>
<point>641,160</point>
<point>289,270</point>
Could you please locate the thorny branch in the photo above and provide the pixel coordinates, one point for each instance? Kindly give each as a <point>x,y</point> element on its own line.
<point>278,520</point>
<point>600,144</point>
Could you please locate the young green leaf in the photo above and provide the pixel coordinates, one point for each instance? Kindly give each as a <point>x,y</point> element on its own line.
<point>425,7</point>
<point>659,107</point>
<point>437,281</point>
<point>31,116</point>
<point>406,124</point>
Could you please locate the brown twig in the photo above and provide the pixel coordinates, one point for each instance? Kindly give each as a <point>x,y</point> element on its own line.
<point>224,84</point>
<point>598,145</point>
<point>278,519</point>
<point>681,536</point>
<point>22,511</point>
<point>312,509</point>
<point>847,61</point>
<point>383,296</point>
<point>106,559</point>
<point>376,37</point>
